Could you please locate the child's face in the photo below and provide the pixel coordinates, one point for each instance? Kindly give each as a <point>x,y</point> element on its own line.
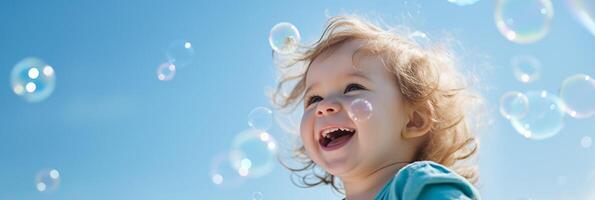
<point>332,83</point>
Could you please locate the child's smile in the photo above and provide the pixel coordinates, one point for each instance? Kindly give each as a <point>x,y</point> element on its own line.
<point>335,136</point>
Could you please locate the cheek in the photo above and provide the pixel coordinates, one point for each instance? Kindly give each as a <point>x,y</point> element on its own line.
<point>307,136</point>
<point>385,123</point>
<point>306,130</point>
<point>308,139</point>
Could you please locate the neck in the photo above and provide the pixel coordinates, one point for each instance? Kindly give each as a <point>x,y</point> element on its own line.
<point>368,186</point>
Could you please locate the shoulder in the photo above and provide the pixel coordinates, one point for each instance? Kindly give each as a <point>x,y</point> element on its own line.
<point>429,180</point>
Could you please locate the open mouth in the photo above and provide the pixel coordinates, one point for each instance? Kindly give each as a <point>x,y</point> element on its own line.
<point>334,138</point>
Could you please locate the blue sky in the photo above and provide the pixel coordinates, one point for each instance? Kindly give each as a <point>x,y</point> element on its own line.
<point>116,132</point>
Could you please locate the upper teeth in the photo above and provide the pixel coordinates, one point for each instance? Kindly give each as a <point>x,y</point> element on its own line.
<point>325,132</point>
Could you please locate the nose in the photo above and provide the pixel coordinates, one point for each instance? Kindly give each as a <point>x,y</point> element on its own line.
<point>327,107</point>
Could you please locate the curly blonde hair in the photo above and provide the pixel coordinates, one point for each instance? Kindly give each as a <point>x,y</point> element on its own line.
<point>427,78</point>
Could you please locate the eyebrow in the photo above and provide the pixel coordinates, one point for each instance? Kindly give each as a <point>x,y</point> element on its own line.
<point>353,74</point>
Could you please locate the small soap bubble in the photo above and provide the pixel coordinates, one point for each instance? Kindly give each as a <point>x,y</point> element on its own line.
<point>360,109</point>
<point>260,118</point>
<point>166,71</point>
<point>284,38</point>
<point>514,105</point>
<point>47,180</point>
<point>545,118</point>
<point>578,94</point>
<point>33,79</point>
<point>526,68</point>
<point>524,21</point>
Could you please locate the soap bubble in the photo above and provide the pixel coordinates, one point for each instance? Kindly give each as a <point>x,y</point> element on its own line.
<point>180,53</point>
<point>584,11</point>
<point>524,21</point>
<point>284,38</point>
<point>253,153</point>
<point>545,116</point>
<point>47,180</point>
<point>526,68</point>
<point>514,105</point>
<point>463,2</point>
<point>166,71</point>
<point>33,79</point>
<point>578,94</point>
<point>360,109</point>
<point>222,173</point>
<point>260,118</point>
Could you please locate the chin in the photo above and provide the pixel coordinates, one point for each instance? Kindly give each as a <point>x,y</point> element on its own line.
<point>339,167</point>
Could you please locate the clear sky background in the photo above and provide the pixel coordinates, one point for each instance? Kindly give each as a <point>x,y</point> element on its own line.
<point>114,131</point>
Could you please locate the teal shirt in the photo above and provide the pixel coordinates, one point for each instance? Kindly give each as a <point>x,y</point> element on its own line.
<point>424,180</point>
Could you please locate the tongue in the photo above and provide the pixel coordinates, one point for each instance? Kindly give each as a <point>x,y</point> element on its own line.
<point>339,140</point>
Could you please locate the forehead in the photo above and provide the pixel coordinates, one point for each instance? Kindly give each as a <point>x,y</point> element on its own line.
<point>340,61</point>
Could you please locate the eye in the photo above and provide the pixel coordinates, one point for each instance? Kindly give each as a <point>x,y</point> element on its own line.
<point>313,99</point>
<point>353,86</point>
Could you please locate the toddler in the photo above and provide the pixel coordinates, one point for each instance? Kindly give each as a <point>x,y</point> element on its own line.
<point>383,117</point>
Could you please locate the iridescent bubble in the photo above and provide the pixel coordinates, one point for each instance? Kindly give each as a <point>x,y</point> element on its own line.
<point>526,68</point>
<point>524,21</point>
<point>47,180</point>
<point>222,173</point>
<point>253,153</point>
<point>33,79</point>
<point>360,109</point>
<point>180,53</point>
<point>463,2</point>
<point>514,105</point>
<point>586,142</point>
<point>257,196</point>
<point>578,94</point>
<point>284,38</point>
<point>166,71</point>
<point>545,118</point>
<point>260,118</point>
<point>584,11</point>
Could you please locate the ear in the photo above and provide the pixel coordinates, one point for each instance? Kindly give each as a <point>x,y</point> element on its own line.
<point>419,123</point>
